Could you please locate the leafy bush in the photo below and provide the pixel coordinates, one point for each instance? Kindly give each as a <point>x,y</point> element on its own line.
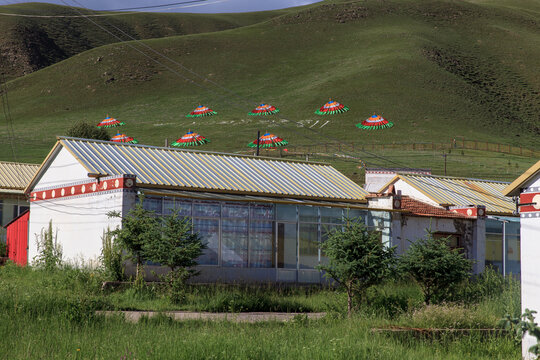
<point>437,268</point>
<point>393,299</point>
<point>3,249</point>
<point>49,252</point>
<point>88,131</point>
<point>111,257</point>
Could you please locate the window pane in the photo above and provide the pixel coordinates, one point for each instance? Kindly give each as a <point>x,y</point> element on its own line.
<point>234,236</point>
<point>309,246</point>
<point>286,212</point>
<point>355,214</point>
<point>262,211</point>
<point>493,226</point>
<point>308,213</point>
<point>326,230</point>
<point>183,207</point>
<point>206,209</point>
<point>235,211</point>
<point>261,244</point>
<point>152,204</point>
<point>331,215</point>
<point>494,250</point>
<point>208,229</point>
<point>286,245</point>
<point>512,227</point>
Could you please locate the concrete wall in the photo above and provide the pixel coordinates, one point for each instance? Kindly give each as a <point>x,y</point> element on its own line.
<point>78,223</point>
<point>530,266</point>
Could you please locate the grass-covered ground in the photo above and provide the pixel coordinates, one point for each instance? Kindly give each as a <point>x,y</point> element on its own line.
<point>438,69</point>
<point>51,315</point>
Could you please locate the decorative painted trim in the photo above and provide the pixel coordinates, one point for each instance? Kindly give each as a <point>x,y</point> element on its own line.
<point>528,198</point>
<point>478,211</point>
<point>85,188</point>
<point>531,189</point>
<point>530,215</point>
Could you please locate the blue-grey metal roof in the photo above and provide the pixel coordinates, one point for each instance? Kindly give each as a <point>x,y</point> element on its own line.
<point>197,170</point>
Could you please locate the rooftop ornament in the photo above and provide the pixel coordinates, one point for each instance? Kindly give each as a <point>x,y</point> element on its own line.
<point>268,141</point>
<point>110,122</point>
<point>190,139</point>
<point>375,122</point>
<point>264,109</point>
<point>201,111</point>
<point>331,108</point>
<point>123,138</point>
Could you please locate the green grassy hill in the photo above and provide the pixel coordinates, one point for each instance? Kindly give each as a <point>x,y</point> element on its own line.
<point>31,43</point>
<point>438,69</point>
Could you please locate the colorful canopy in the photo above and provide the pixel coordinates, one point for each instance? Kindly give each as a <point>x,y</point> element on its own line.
<point>375,122</point>
<point>110,122</point>
<point>268,140</point>
<point>332,107</point>
<point>191,139</point>
<point>201,111</point>
<point>123,138</point>
<point>264,109</point>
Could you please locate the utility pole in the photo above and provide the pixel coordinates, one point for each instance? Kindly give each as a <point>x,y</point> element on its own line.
<point>444,155</point>
<point>258,140</point>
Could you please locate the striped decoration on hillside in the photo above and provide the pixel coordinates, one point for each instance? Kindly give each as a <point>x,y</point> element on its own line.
<point>190,139</point>
<point>268,140</point>
<point>264,109</point>
<point>109,122</point>
<point>201,111</point>
<point>331,108</point>
<point>375,122</point>
<point>123,138</point>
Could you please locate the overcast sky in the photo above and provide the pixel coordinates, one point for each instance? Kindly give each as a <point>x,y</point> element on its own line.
<point>208,6</point>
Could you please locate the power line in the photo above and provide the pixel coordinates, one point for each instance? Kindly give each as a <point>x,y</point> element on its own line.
<point>156,6</point>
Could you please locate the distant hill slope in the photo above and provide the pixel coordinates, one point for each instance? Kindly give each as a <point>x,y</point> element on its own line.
<point>28,44</point>
<point>438,69</point>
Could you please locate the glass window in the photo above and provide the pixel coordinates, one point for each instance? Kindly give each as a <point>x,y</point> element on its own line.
<point>355,214</point>
<point>309,246</point>
<point>208,229</point>
<point>286,245</point>
<point>235,211</point>
<point>326,230</point>
<point>494,250</point>
<point>331,215</point>
<point>493,226</point>
<point>183,207</point>
<point>308,213</point>
<point>512,227</point>
<point>206,209</point>
<point>286,212</point>
<point>152,204</point>
<point>261,244</point>
<point>262,211</point>
<point>234,238</point>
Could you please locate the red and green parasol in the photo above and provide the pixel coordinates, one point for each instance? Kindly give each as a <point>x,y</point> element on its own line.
<point>201,111</point>
<point>375,122</point>
<point>332,107</point>
<point>191,139</point>
<point>123,138</point>
<point>268,141</point>
<point>110,122</point>
<point>264,109</point>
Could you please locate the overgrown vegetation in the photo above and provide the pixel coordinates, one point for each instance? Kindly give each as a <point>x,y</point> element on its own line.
<point>86,130</point>
<point>49,252</point>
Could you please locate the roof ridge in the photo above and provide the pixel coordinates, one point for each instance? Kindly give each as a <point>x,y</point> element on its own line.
<point>192,151</point>
<point>455,177</point>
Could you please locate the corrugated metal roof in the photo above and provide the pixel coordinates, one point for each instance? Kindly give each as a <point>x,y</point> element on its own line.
<point>197,170</point>
<point>462,192</point>
<point>16,176</point>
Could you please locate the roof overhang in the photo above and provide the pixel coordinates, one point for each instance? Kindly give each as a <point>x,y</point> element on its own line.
<point>514,188</point>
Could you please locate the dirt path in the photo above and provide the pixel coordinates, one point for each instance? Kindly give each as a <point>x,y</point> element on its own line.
<point>251,317</point>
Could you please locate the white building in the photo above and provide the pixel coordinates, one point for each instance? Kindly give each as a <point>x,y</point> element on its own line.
<point>262,219</point>
<point>526,191</point>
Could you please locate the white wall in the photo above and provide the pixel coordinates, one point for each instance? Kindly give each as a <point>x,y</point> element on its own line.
<point>79,223</point>
<point>530,268</point>
<point>411,191</point>
<point>63,169</point>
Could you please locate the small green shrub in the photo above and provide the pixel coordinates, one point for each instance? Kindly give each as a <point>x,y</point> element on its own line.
<point>393,299</point>
<point>3,249</point>
<point>112,258</point>
<point>49,255</point>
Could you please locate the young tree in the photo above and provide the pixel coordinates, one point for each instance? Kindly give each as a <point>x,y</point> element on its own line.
<point>139,228</point>
<point>87,131</point>
<point>435,266</point>
<point>357,259</point>
<point>177,248</point>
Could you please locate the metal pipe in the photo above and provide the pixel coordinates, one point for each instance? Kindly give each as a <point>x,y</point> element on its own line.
<point>504,249</point>
<point>258,141</point>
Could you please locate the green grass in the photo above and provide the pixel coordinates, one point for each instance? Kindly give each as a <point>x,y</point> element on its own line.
<point>438,69</point>
<point>51,315</point>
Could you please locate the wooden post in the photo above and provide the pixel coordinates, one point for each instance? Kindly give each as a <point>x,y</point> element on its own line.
<point>166,142</point>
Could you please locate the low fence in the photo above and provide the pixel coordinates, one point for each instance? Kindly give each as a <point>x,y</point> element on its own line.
<point>418,146</point>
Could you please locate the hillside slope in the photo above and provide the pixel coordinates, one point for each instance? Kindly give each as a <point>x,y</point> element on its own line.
<point>28,44</point>
<point>438,69</point>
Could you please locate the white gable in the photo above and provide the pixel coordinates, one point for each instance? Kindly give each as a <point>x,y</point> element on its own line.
<point>63,169</point>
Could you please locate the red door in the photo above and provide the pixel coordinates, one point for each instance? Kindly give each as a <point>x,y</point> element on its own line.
<point>17,239</point>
